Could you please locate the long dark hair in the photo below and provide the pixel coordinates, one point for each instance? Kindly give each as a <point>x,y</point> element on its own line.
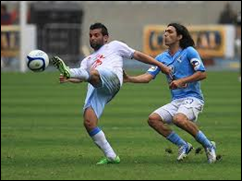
<point>186,40</point>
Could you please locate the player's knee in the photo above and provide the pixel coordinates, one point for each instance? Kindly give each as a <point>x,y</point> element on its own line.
<point>95,77</point>
<point>179,120</point>
<point>153,119</point>
<point>89,125</point>
<point>94,73</point>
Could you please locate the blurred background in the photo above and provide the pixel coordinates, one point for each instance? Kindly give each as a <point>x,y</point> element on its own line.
<point>61,28</point>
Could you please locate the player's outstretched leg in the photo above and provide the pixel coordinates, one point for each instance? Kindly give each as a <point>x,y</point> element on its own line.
<point>61,66</point>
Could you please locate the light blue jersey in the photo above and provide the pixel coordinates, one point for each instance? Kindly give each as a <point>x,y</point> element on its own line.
<point>183,64</point>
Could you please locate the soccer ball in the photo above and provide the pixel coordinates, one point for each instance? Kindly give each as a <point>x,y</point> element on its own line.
<point>37,60</point>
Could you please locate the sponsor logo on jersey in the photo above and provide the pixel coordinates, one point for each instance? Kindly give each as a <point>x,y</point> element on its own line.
<point>179,59</point>
<point>196,63</point>
<point>98,61</point>
<point>153,68</point>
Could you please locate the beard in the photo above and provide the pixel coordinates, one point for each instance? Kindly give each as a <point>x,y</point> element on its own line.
<point>96,45</point>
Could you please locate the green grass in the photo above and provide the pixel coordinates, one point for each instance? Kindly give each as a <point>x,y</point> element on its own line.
<point>42,135</point>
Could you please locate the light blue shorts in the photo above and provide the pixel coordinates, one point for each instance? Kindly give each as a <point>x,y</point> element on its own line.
<point>98,97</point>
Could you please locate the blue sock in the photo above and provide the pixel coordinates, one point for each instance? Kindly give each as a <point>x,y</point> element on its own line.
<point>94,131</point>
<point>201,138</point>
<point>176,139</point>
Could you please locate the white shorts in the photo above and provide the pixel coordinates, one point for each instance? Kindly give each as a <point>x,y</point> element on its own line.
<point>189,106</point>
<point>98,97</point>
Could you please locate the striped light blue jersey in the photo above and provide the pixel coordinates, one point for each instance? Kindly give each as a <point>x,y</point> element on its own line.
<point>183,64</point>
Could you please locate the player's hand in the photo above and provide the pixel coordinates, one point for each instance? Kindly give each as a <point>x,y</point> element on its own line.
<point>175,84</point>
<point>125,76</point>
<point>166,70</point>
<point>63,79</point>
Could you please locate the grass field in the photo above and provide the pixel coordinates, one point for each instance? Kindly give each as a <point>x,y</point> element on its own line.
<point>42,136</point>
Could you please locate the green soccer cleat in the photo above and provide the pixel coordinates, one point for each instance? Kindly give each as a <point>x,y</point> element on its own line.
<point>106,161</point>
<point>61,66</point>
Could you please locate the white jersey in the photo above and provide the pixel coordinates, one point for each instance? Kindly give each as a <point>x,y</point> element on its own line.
<point>110,56</point>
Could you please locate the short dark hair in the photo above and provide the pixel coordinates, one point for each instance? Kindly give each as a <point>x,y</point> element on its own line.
<point>100,26</point>
<point>186,40</point>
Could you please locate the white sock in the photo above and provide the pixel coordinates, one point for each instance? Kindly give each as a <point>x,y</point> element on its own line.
<point>79,73</point>
<point>103,144</point>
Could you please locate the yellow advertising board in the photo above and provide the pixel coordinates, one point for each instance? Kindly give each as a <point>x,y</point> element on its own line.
<point>10,41</point>
<point>211,41</point>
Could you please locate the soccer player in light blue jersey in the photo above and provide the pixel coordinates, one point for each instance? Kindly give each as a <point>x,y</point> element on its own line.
<point>103,70</point>
<point>187,98</point>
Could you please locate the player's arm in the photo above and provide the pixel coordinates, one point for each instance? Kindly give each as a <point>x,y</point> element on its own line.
<point>199,71</point>
<point>127,52</point>
<point>144,78</point>
<point>149,60</point>
<point>197,76</point>
<point>63,79</point>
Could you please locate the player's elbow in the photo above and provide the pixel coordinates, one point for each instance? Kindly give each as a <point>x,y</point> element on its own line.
<point>137,55</point>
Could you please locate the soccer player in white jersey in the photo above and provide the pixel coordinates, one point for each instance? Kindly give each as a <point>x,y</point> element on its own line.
<point>103,70</point>
<point>187,99</point>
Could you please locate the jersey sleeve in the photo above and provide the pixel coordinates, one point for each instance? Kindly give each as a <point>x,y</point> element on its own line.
<point>195,60</point>
<point>123,49</point>
<point>84,63</point>
<point>154,71</point>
